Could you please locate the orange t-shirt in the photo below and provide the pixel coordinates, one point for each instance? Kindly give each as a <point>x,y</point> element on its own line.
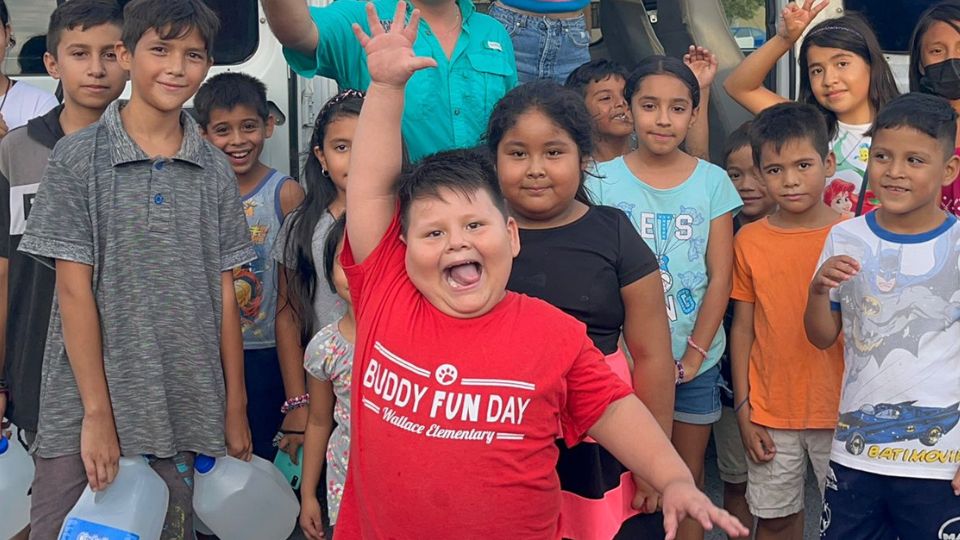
<point>793,384</point>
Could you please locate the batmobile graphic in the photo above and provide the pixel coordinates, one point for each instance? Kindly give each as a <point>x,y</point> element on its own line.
<point>894,422</point>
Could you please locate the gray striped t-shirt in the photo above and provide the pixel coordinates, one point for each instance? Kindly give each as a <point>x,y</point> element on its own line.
<point>158,233</point>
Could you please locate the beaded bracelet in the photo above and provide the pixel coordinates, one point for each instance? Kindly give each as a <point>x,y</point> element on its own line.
<point>680,372</point>
<point>295,403</point>
<point>696,347</point>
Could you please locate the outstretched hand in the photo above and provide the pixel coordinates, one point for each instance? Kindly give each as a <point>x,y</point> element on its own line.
<point>703,64</point>
<point>682,499</point>
<point>390,57</point>
<point>796,18</point>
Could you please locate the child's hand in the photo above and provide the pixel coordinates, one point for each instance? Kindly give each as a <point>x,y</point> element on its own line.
<point>756,439</point>
<point>682,499</point>
<point>646,498</point>
<point>237,433</point>
<point>956,483</point>
<point>293,427</point>
<point>703,63</point>
<point>310,520</point>
<point>390,57</point>
<point>797,18</point>
<point>833,272</point>
<point>99,449</point>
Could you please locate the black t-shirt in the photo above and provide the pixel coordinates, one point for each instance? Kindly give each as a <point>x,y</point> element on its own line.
<point>581,267</point>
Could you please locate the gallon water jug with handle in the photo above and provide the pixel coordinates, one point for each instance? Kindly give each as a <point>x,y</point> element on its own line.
<point>133,507</point>
<point>241,500</point>
<point>16,474</point>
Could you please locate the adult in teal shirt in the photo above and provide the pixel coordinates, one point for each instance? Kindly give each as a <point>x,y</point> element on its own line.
<point>446,107</point>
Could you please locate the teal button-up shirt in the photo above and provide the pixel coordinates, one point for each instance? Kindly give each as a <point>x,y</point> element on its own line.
<point>447,106</point>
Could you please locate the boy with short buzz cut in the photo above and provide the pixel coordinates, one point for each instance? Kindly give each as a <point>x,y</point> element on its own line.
<point>143,219</point>
<point>601,83</point>
<point>233,115</point>
<point>890,280</point>
<point>460,384</point>
<point>785,389</point>
<point>80,40</point>
<point>737,160</point>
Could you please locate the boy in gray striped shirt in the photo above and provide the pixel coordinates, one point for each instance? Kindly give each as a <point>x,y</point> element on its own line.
<point>143,220</point>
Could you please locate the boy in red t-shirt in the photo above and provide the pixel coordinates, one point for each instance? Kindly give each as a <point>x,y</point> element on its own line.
<point>462,388</point>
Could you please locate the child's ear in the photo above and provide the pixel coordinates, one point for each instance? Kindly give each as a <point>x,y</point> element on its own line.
<point>271,124</point>
<point>124,56</point>
<point>830,164</point>
<point>951,170</point>
<point>694,115</point>
<point>53,68</point>
<point>514,231</point>
<point>318,153</point>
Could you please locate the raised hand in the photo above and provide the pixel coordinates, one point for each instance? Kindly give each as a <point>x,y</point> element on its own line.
<point>796,18</point>
<point>833,272</point>
<point>702,63</point>
<point>683,499</point>
<point>390,57</point>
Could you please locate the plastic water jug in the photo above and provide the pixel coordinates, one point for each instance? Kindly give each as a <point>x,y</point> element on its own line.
<point>16,474</point>
<point>241,500</point>
<point>133,507</point>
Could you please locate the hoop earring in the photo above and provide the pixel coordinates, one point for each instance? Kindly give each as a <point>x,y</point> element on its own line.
<point>324,172</point>
<point>12,42</point>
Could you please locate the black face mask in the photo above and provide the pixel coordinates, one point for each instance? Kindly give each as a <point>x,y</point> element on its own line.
<point>942,79</point>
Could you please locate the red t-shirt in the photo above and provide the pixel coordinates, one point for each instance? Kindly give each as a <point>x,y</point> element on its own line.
<point>454,421</point>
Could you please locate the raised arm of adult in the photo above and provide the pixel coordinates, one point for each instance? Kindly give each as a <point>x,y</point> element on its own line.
<point>290,21</point>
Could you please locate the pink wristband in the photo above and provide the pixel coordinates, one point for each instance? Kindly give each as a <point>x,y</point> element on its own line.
<point>696,347</point>
<point>295,403</point>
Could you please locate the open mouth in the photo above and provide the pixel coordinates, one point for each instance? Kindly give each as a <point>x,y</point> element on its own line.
<point>896,189</point>
<point>620,117</point>
<point>239,155</point>
<point>463,274</point>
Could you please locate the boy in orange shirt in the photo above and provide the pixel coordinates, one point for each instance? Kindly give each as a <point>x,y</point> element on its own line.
<point>786,390</point>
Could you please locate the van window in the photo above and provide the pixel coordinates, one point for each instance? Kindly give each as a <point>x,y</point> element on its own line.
<point>747,21</point>
<point>238,39</point>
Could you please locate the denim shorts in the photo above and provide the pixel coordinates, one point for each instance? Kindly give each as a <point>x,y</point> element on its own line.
<point>698,401</point>
<point>545,48</point>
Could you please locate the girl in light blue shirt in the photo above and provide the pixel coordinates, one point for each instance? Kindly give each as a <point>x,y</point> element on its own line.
<point>683,208</point>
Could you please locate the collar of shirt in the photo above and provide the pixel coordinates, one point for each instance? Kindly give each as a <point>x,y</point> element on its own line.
<point>123,149</point>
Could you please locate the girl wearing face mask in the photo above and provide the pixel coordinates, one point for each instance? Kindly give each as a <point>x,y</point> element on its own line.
<point>935,68</point>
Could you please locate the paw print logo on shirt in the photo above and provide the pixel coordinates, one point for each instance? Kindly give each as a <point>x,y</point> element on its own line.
<point>446,374</point>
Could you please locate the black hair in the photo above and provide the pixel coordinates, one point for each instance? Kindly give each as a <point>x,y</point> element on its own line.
<point>465,172</point>
<point>330,245</point>
<point>561,105</point>
<point>321,192</point>
<point>4,13</point>
<point>662,65</point>
<point>931,115</point>
<point>737,140</point>
<point>850,33</point>
<point>227,91</point>
<point>171,19</point>
<point>946,12</point>
<point>594,72</point>
<point>789,121</point>
<point>81,14</point>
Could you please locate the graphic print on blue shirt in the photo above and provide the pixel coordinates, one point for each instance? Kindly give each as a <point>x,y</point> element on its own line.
<point>675,224</point>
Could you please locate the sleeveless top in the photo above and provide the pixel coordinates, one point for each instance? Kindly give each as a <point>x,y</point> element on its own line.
<point>255,284</point>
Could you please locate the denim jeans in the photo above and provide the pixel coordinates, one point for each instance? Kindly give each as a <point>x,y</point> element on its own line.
<point>545,48</point>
